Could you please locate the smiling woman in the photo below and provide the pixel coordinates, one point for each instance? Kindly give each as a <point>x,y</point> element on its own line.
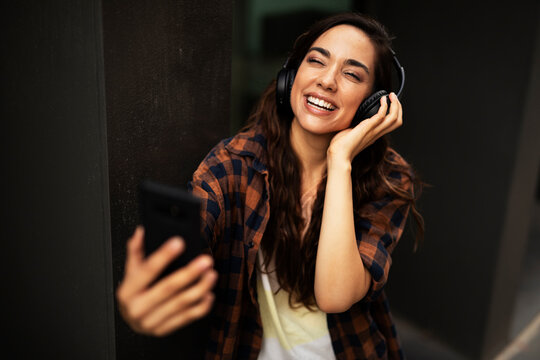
<point>339,59</point>
<point>301,212</point>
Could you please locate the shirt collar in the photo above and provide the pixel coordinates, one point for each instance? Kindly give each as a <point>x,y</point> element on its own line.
<point>250,143</point>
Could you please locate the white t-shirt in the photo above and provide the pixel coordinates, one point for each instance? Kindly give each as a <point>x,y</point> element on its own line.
<point>290,333</point>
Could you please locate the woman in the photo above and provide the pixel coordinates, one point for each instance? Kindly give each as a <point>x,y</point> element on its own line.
<point>297,206</point>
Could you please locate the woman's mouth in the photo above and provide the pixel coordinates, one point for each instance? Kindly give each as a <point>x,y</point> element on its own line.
<point>320,103</point>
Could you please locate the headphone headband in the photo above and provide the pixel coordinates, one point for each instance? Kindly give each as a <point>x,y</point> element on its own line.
<point>400,71</point>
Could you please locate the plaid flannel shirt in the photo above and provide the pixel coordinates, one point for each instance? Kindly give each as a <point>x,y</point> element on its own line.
<point>233,183</point>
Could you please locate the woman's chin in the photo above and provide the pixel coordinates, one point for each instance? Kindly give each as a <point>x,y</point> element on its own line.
<point>318,126</point>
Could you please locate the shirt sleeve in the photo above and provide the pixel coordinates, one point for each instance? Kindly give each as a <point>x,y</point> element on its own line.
<point>379,231</point>
<point>205,185</point>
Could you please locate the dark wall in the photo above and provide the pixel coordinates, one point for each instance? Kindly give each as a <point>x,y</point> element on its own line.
<point>94,100</point>
<point>167,66</point>
<point>468,75</point>
<point>56,261</point>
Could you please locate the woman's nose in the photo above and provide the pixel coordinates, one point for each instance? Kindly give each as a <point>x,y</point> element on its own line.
<point>327,80</point>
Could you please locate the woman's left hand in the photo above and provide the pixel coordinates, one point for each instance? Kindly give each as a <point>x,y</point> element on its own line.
<point>348,143</point>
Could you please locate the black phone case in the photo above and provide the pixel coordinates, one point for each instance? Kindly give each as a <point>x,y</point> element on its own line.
<point>167,211</point>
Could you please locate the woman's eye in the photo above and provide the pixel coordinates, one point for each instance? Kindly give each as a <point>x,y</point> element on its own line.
<point>314,60</point>
<point>353,75</point>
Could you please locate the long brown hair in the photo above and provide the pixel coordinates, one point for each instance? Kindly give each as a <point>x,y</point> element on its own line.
<point>282,239</point>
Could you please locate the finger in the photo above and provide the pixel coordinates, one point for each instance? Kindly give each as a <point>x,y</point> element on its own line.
<point>134,257</point>
<point>379,116</point>
<point>171,285</point>
<point>184,318</point>
<point>394,106</point>
<point>181,302</point>
<point>378,120</point>
<point>149,269</point>
<point>383,109</point>
<point>148,301</point>
<point>135,254</point>
<point>368,125</point>
<point>400,115</point>
<point>398,111</point>
<point>392,120</point>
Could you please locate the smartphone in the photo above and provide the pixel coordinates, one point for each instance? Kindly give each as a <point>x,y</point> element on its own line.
<point>167,211</point>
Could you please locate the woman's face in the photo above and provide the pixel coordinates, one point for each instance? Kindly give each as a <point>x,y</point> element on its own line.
<point>336,75</point>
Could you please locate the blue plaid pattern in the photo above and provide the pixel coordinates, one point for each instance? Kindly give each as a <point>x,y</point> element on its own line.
<point>233,183</point>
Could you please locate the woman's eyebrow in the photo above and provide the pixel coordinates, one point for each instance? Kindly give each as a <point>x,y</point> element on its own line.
<point>352,62</point>
<point>323,51</point>
<point>357,63</point>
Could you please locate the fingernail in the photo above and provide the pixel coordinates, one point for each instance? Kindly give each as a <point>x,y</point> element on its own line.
<point>212,275</point>
<point>205,262</point>
<point>175,244</point>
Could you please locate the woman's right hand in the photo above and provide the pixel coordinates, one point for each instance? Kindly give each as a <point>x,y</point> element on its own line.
<point>174,301</point>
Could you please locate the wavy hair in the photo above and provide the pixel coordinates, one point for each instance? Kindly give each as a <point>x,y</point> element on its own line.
<point>370,167</point>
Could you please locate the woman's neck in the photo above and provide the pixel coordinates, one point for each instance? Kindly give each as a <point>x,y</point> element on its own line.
<point>311,151</point>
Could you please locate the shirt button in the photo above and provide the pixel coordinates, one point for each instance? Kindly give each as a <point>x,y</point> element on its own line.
<point>251,244</point>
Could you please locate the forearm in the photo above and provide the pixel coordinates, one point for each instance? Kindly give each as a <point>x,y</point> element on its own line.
<point>340,276</point>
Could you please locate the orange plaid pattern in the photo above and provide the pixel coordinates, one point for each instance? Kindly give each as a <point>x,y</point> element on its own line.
<point>233,183</point>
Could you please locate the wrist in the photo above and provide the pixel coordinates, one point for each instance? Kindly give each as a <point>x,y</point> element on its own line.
<point>335,163</point>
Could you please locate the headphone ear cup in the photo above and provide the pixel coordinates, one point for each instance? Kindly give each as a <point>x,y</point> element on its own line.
<point>368,107</point>
<point>284,83</point>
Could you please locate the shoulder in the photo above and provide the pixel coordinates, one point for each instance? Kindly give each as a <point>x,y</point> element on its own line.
<point>232,156</point>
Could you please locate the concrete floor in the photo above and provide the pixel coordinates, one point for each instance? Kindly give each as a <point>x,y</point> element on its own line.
<point>418,345</point>
<point>526,325</point>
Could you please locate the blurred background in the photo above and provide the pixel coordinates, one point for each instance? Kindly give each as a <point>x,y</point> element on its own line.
<point>98,95</point>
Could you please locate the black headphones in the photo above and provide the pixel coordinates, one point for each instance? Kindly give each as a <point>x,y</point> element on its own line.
<point>368,108</point>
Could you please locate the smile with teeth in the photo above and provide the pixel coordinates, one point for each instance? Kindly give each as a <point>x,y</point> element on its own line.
<point>320,103</point>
